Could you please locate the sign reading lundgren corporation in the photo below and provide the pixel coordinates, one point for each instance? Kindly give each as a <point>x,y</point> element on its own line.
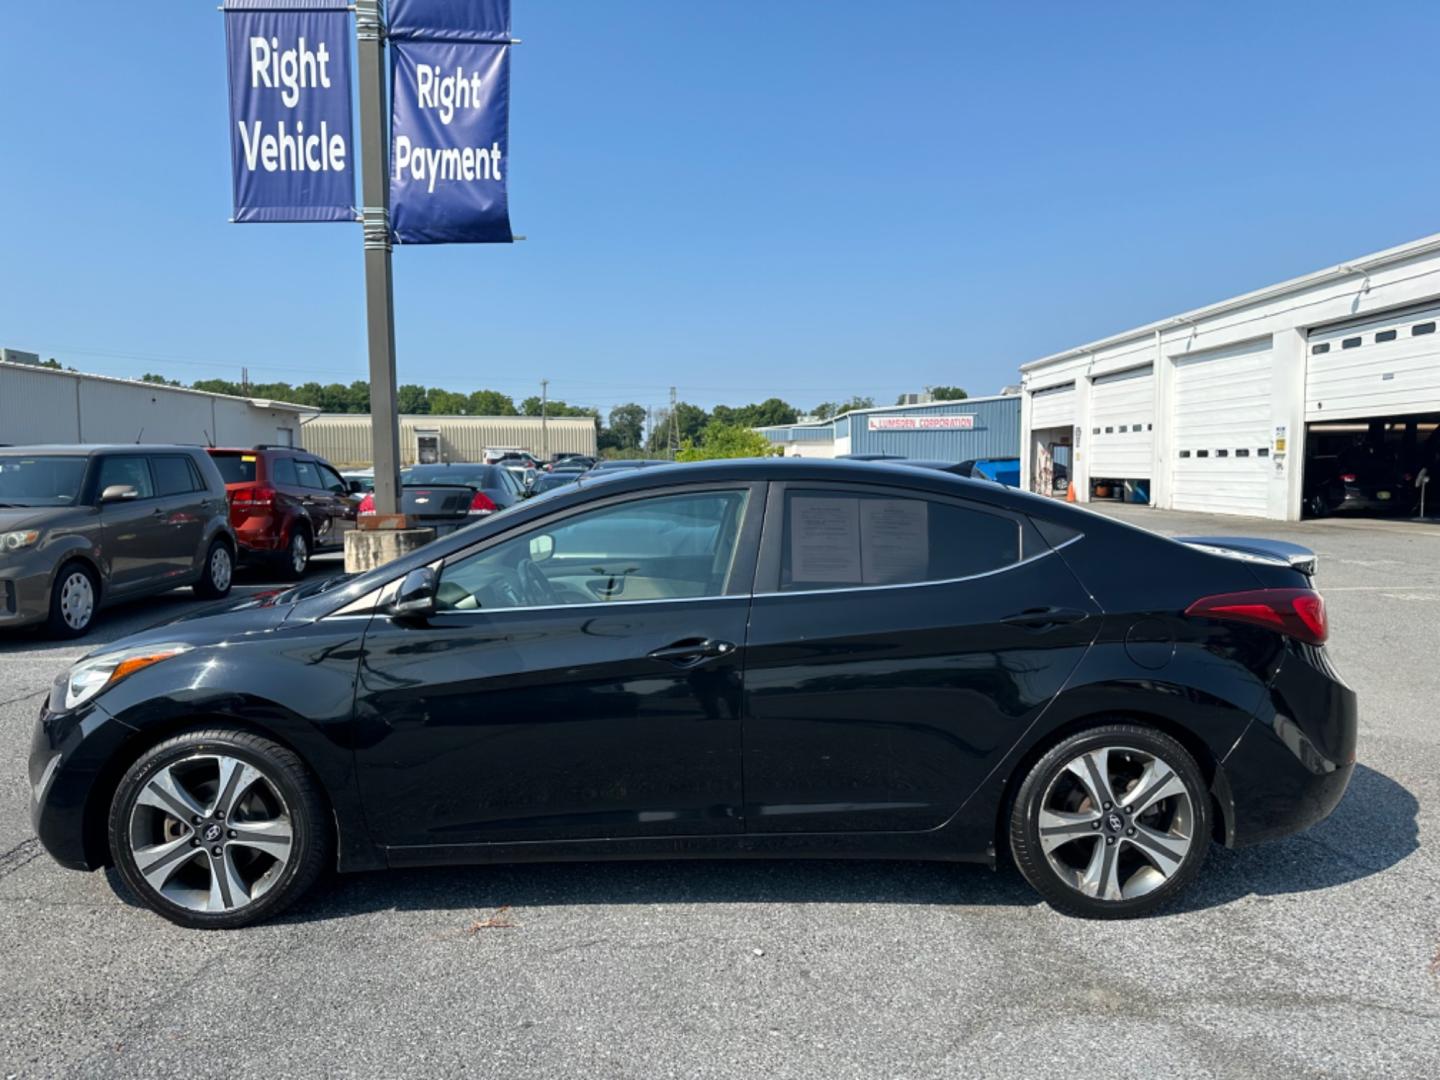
<point>290,134</point>
<point>450,80</point>
<point>921,423</point>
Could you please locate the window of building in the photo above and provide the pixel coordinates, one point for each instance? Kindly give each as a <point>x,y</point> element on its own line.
<point>1322,347</point>
<point>1350,343</point>
<point>1422,328</point>
<point>1385,335</point>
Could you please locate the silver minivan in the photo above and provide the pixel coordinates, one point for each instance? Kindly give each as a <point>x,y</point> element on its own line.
<point>82,527</point>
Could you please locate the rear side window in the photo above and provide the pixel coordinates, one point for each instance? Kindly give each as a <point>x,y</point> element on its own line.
<point>235,468</point>
<point>838,540</point>
<point>282,472</point>
<point>308,473</point>
<point>173,475</point>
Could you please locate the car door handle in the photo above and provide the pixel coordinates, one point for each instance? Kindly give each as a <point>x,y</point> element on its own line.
<point>1045,618</point>
<point>691,652</point>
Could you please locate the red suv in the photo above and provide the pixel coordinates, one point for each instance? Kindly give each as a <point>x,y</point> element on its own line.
<point>285,504</point>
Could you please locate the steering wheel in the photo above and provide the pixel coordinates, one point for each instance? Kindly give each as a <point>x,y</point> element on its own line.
<point>538,589</point>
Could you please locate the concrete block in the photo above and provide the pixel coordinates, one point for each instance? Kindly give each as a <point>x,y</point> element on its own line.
<point>365,550</point>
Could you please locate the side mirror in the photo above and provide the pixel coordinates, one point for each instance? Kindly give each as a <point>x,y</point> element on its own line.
<point>415,599</point>
<point>118,493</point>
<point>541,548</point>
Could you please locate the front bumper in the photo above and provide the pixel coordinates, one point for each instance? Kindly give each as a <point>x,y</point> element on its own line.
<point>24,594</point>
<point>1291,767</point>
<point>71,756</point>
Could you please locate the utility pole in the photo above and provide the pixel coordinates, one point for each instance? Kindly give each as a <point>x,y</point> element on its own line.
<point>544,420</point>
<point>379,282</point>
<point>649,436</point>
<point>674,427</point>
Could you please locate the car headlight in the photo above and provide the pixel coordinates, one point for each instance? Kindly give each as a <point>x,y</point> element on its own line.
<point>96,673</point>
<point>14,541</point>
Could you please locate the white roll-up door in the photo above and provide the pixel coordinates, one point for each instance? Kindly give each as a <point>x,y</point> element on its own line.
<point>1053,407</point>
<point>1122,424</point>
<point>1221,452</point>
<point>1384,366</point>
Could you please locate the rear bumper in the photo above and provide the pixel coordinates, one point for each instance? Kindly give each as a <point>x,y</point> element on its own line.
<point>259,534</point>
<point>1292,765</point>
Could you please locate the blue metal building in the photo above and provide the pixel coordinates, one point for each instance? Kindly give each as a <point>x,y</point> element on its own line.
<point>939,431</point>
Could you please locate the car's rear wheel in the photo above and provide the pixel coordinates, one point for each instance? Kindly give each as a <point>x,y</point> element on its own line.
<point>1112,823</point>
<point>297,555</point>
<point>218,828</point>
<point>74,599</point>
<point>219,573</point>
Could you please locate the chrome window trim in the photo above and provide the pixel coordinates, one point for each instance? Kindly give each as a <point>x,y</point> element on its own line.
<point>921,584</point>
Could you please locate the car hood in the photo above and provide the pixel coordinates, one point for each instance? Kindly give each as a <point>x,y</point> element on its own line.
<point>228,619</point>
<point>31,517</point>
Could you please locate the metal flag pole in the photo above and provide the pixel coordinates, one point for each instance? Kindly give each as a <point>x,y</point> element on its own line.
<point>379,281</point>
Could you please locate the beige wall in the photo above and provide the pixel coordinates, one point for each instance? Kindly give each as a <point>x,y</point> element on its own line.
<point>344,439</point>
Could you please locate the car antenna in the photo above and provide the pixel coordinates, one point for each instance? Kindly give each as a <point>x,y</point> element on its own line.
<point>208,441</point>
<point>138,437</point>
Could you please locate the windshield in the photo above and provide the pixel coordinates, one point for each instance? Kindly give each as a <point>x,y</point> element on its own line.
<point>41,480</point>
<point>479,476</point>
<point>235,468</point>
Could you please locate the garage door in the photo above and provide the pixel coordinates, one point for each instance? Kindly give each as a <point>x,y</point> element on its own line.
<point>1053,407</point>
<point>1122,424</point>
<point>1221,453</point>
<point>1384,366</point>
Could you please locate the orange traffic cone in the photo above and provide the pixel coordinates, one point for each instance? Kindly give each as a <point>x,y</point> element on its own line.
<point>1070,491</point>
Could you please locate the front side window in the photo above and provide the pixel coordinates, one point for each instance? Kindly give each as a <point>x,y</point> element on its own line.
<point>838,540</point>
<point>130,471</point>
<point>667,547</point>
<point>307,472</point>
<point>330,480</point>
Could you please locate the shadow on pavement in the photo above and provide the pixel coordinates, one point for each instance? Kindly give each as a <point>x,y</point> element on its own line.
<point>1372,829</point>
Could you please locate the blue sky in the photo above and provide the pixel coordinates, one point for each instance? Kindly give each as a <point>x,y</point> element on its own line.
<point>741,199</point>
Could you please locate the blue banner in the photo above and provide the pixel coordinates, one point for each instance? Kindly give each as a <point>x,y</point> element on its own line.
<point>450,140</point>
<point>450,20</point>
<point>291,149</point>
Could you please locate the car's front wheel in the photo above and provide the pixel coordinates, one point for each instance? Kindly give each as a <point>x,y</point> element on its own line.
<point>218,828</point>
<point>1112,823</point>
<point>74,599</point>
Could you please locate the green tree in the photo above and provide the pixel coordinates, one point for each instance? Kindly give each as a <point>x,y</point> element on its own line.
<point>854,403</point>
<point>690,420</point>
<point>825,410</point>
<point>410,400</point>
<point>149,377</point>
<point>948,393</point>
<point>446,402</point>
<point>217,386</point>
<point>725,441</point>
<point>490,403</point>
<point>627,426</point>
<point>554,407</point>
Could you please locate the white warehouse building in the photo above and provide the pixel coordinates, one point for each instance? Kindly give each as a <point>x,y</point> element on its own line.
<point>1223,408</point>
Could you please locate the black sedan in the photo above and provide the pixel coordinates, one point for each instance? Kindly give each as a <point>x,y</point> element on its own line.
<point>754,658</point>
<point>450,496</point>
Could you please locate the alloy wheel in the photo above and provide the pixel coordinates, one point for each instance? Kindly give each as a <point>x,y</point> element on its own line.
<point>77,600</point>
<point>299,553</point>
<point>221,568</point>
<point>211,833</point>
<point>1116,823</point>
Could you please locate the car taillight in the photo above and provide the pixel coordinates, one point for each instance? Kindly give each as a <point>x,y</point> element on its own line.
<point>367,504</point>
<point>1349,477</point>
<point>1298,613</point>
<point>482,504</point>
<point>259,495</point>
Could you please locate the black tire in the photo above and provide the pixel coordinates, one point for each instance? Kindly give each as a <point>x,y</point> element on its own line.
<point>296,559</point>
<point>64,619</point>
<point>308,851</point>
<point>215,579</point>
<point>1047,778</point>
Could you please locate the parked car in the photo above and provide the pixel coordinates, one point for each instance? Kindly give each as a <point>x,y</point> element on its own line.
<point>549,481</point>
<point>285,504</point>
<point>501,455</point>
<point>628,463</point>
<point>998,470</point>
<point>571,461</point>
<point>449,497</point>
<point>83,527</point>
<point>761,658</point>
<point>360,481</point>
<point>1358,481</point>
<point>523,473</point>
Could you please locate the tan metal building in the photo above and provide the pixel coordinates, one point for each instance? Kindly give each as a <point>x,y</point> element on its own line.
<point>42,405</point>
<point>343,439</point>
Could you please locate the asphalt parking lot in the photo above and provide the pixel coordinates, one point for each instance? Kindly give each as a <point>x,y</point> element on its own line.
<point>1318,956</point>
